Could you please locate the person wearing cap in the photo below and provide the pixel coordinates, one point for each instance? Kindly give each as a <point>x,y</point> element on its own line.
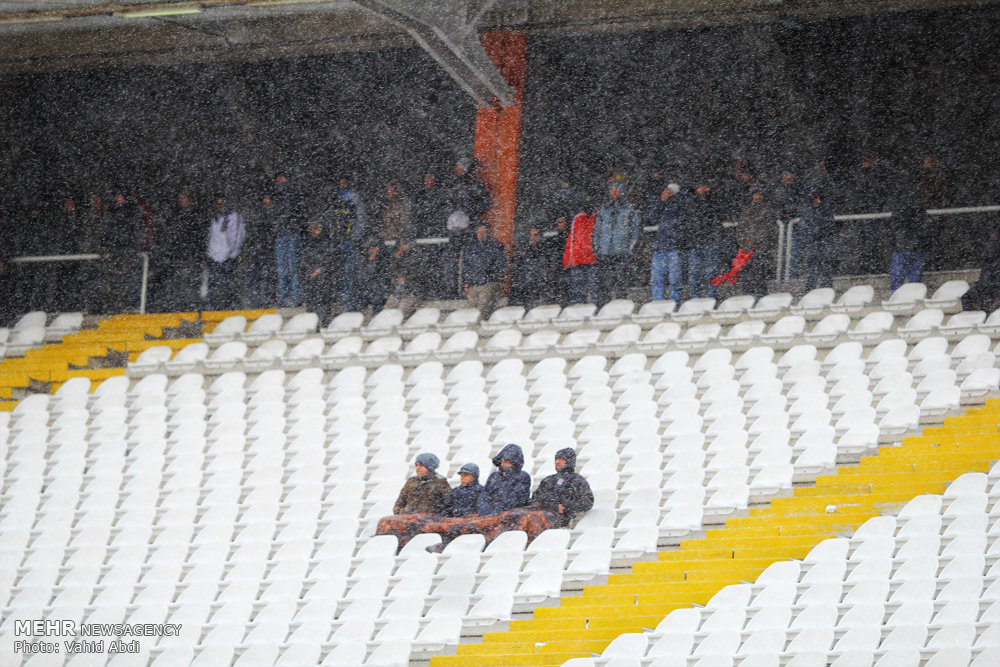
<point>425,492</point>
<point>508,486</point>
<point>667,263</point>
<point>464,499</point>
<point>566,492</point>
<point>616,236</point>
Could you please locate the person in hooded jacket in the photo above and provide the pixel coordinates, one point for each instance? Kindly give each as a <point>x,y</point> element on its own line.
<point>566,493</point>
<point>508,486</point>
<point>464,499</point>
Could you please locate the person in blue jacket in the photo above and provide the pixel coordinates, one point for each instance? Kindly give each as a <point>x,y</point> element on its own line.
<point>616,235</point>
<point>464,499</point>
<point>508,486</point>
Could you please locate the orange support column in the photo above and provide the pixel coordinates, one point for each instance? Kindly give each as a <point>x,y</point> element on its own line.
<point>498,133</point>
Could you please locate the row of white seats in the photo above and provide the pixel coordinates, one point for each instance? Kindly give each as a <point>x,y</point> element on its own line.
<point>920,588</point>
<point>255,518</point>
<point>816,302</point>
<point>30,330</point>
<point>787,331</point>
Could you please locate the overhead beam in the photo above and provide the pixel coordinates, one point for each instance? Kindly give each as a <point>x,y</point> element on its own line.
<point>452,40</point>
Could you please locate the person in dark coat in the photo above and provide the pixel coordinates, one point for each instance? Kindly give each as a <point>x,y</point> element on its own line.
<point>508,486</point>
<point>317,271</point>
<point>700,234</point>
<point>119,244</point>
<point>407,276</point>
<point>812,249</point>
<point>464,499</point>
<point>869,243</point>
<point>181,247</point>
<point>758,230</point>
<point>430,210</point>
<point>985,293</point>
<point>467,200</point>
<point>910,228</point>
<point>532,271</point>
<point>666,264</point>
<point>555,248</point>
<point>484,262</point>
<point>566,493</point>
<point>285,212</point>
<point>346,221</point>
<point>425,492</point>
<point>371,278</point>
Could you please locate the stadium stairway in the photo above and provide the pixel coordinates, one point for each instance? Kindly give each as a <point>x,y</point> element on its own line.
<point>789,527</point>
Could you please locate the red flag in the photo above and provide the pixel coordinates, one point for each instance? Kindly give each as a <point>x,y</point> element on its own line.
<point>731,276</point>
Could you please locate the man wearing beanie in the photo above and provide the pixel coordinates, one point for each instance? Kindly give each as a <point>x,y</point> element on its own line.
<point>464,498</point>
<point>566,493</point>
<point>425,492</point>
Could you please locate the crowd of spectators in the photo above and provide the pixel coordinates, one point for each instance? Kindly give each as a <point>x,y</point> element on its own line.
<point>428,504</point>
<point>284,244</point>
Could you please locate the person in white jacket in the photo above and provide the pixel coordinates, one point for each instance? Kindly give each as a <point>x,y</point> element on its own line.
<point>225,240</point>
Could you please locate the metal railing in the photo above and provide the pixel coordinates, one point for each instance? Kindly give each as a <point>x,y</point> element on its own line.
<point>87,257</point>
<point>786,229</point>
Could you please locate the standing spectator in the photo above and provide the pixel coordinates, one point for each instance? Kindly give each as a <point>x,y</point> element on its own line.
<point>284,209</point>
<point>371,278</point>
<point>484,262</point>
<point>532,271</point>
<point>90,243</point>
<point>820,181</point>
<point>407,276</point>
<point>911,231</point>
<point>985,293</point>
<point>467,201</point>
<point>868,242</point>
<point>316,270</point>
<point>578,256</point>
<point>225,241</point>
<point>347,222</point>
<point>814,231</point>
<point>788,195</point>
<point>566,492</point>
<point>872,191</point>
<point>464,499</point>
<point>757,230</point>
<point>666,263</point>
<point>555,249</point>
<point>395,219</point>
<point>616,234</point>
<point>508,486</point>
<point>120,243</point>
<point>701,235</point>
<point>428,214</point>
<point>180,249</point>
<point>933,188</point>
<point>70,230</point>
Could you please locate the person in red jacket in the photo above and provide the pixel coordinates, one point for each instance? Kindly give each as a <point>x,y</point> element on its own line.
<point>578,256</point>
